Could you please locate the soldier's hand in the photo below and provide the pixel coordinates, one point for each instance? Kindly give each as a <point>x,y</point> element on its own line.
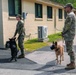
<point>62,34</point>
<point>14,37</point>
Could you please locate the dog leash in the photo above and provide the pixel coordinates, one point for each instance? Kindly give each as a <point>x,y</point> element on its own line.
<point>60,35</point>
<point>17,38</point>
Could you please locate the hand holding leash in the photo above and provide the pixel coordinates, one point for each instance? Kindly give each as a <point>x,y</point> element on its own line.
<point>61,34</point>
<point>14,37</point>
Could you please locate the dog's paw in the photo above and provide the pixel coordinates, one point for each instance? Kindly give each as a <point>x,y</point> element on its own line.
<point>10,60</point>
<point>16,60</point>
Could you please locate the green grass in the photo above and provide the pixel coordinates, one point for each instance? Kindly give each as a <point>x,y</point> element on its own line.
<point>31,45</point>
<point>54,37</point>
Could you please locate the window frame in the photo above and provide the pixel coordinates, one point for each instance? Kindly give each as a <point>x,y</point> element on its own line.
<point>60,13</point>
<point>49,12</point>
<point>38,12</point>
<point>14,6</point>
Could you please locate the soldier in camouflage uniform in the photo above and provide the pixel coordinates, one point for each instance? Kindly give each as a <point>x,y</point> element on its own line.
<point>69,34</point>
<point>21,31</point>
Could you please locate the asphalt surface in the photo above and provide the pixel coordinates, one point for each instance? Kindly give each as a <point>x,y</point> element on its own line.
<point>40,62</point>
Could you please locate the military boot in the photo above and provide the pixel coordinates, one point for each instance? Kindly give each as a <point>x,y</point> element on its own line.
<point>70,66</point>
<point>21,56</point>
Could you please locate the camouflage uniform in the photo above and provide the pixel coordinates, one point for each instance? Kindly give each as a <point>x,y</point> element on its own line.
<point>21,31</point>
<point>69,33</point>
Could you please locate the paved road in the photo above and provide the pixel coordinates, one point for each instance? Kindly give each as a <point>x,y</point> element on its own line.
<point>40,62</point>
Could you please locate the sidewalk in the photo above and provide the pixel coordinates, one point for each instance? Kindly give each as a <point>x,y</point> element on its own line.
<point>40,62</point>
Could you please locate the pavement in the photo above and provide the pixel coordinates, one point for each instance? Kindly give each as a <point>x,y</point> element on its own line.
<point>39,62</point>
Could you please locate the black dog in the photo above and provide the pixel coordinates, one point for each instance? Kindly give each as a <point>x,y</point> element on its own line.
<point>13,46</point>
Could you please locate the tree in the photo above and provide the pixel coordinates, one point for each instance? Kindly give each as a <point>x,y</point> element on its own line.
<point>66,1</point>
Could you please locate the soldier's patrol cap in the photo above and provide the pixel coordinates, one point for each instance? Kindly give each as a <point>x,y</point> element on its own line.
<point>68,5</point>
<point>19,16</point>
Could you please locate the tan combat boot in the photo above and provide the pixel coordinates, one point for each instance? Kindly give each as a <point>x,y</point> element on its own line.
<point>70,66</point>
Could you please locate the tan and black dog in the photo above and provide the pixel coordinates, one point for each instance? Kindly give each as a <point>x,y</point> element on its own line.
<point>59,51</point>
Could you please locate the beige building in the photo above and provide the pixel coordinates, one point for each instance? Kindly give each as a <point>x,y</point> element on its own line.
<point>40,13</point>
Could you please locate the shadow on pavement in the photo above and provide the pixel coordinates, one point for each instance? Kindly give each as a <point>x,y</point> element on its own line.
<point>19,61</point>
<point>61,72</point>
<point>50,68</point>
<point>48,65</point>
<point>5,60</point>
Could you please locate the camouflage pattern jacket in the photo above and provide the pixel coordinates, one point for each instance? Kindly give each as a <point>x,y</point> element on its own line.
<point>20,29</point>
<point>69,27</point>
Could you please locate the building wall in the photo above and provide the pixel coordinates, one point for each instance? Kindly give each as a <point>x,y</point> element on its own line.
<point>9,23</point>
<point>31,23</point>
<point>1,26</point>
<point>57,23</point>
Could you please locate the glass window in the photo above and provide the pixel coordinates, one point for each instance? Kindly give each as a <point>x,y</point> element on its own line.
<point>38,10</point>
<point>60,14</point>
<point>49,12</point>
<point>14,7</point>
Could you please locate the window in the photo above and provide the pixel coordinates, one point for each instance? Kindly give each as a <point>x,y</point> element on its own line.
<point>38,10</point>
<point>14,7</point>
<point>60,14</point>
<point>49,12</point>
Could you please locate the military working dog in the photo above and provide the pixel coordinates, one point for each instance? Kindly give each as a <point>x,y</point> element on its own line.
<point>13,46</point>
<point>59,51</point>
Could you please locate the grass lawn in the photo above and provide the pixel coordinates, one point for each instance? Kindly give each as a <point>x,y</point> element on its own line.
<point>54,37</point>
<point>31,45</point>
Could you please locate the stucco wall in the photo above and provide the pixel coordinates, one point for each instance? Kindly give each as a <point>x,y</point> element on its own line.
<point>59,22</point>
<point>1,26</point>
<point>9,23</point>
<point>31,23</point>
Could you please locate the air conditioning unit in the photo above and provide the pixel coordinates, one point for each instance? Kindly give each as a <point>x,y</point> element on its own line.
<point>42,33</point>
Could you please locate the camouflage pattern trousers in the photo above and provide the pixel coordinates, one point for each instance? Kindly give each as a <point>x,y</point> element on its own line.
<point>21,44</point>
<point>69,48</point>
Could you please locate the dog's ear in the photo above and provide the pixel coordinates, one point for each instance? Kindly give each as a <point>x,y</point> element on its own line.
<point>55,43</point>
<point>9,38</point>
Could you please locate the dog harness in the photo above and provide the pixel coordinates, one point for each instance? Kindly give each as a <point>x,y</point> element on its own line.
<point>57,49</point>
